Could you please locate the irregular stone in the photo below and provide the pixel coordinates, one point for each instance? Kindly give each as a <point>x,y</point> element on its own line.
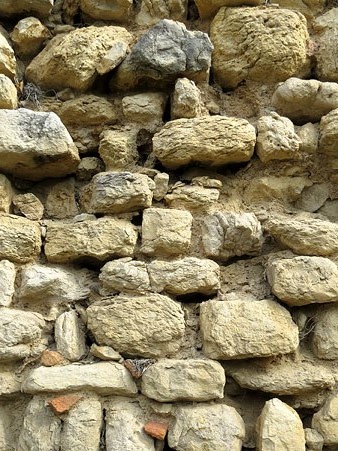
<point>39,7</point>
<point>113,57</point>
<point>118,192</point>
<point>309,9</point>
<point>330,210</point>
<point>82,426</point>
<point>279,427</point>
<point>137,367</point>
<point>6,194</point>
<point>51,358</point>
<point>170,380</point>
<point>214,141</point>
<point>88,167</point>
<point>166,232</point>
<point>325,27</point>
<point>223,428</point>
<point>208,9</point>
<point>161,181</point>
<point>59,199</point>
<point>125,275</point>
<point>144,108</point>
<point>118,11</point>
<point>8,93</point>
<point>156,429</point>
<point>104,352</point>
<point>28,36</point>
<point>305,101</point>
<point>186,100</point>
<point>328,133</point>
<point>80,51</point>
<point>276,139</point>
<point>187,275</point>
<point>98,239</point>
<point>35,145</point>
<point>7,279</point>
<point>313,197</point>
<point>7,57</point>
<point>314,440</point>
<point>41,429</point>
<point>69,336</point>
<point>309,135</point>
<point>192,197</point>
<point>29,206</point>
<point>243,329</point>
<point>118,149</point>
<point>20,239</point>
<point>325,421</point>
<point>126,324</point>
<point>10,385</point>
<point>164,52</point>
<point>229,234</point>
<point>259,44</point>
<point>63,404</point>
<point>152,11</point>
<point>87,110</point>
<point>105,378</point>
<point>301,234</point>
<point>325,336</point>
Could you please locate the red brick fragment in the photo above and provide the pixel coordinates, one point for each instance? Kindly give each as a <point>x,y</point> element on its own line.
<point>51,358</point>
<point>132,368</point>
<point>156,429</point>
<point>62,404</point>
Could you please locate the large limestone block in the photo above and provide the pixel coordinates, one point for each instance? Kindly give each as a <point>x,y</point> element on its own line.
<point>207,427</point>
<point>325,335</point>
<point>39,7</point>
<point>118,11</point>
<point>326,32</point>
<point>105,378</point>
<point>166,232</point>
<point>259,44</point>
<point>245,329</point>
<point>28,36</point>
<point>70,60</point>
<point>164,52</point>
<point>88,110</point>
<point>328,133</point>
<point>7,279</point>
<point>303,280</point>
<point>170,380</point>
<point>69,336</point>
<point>305,101</point>
<point>98,239</point>
<point>125,275</point>
<point>21,334</point>
<point>325,421</point>
<point>279,427</point>
<point>118,192</point>
<point>35,145</point>
<point>147,326</point>
<point>20,239</point>
<point>54,284</point>
<point>118,149</point>
<point>276,139</point>
<point>183,276</point>
<point>214,141</point>
<point>6,194</point>
<point>304,235</point>
<point>7,58</point>
<point>229,234</point>
<point>152,11</point>
<point>8,93</point>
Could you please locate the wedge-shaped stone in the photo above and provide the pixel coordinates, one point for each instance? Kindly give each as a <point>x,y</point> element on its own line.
<point>125,275</point>
<point>325,421</point>
<point>147,326</point>
<point>303,280</point>
<point>187,275</point>
<point>183,380</point>
<point>304,235</point>
<point>244,329</point>
<point>40,7</point>
<point>209,426</point>
<point>105,378</point>
<point>214,141</point>
<point>325,334</point>
<point>95,239</point>
<point>35,145</point>
<point>7,279</point>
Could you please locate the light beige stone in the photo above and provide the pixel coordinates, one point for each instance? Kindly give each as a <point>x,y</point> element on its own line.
<point>325,336</point>
<point>10,385</point>
<point>192,197</point>
<point>309,8</point>
<point>328,133</point>
<point>8,93</point>
<point>313,197</point>
<point>7,58</point>
<point>69,336</point>
<point>209,426</point>
<point>152,11</point>
<point>243,329</point>
<point>6,194</point>
<point>146,326</point>
<point>105,378</point>
<point>28,205</point>
<point>94,239</point>
<point>161,181</point>
<point>28,36</point>
<point>308,135</point>
<point>325,27</point>
<point>208,9</point>
<point>104,352</point>
<point>325,421</point>
<point>170,380</point>
<point>58,198</point>
<point>118,149</point>
<point>20,239</point>
<point>124,275</point>
<point>88,167</point>
<point>118,11</point>
<point>40,7</point>
<point>259,44</point>
<point>166,231</point>
<point>146,108</point>
<point>314,440</point>
<point>276,139</point>
<point>7,279</point>
<point>186,100</point>
<point>279,427</point>
<point>113,57</point>
<point>87,110</point>
<point>214,141</point>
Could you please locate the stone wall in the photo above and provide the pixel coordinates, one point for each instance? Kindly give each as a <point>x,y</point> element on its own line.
<point>168,225</point>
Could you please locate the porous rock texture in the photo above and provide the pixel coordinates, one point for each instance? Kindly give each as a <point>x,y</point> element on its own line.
<point>168,225</point>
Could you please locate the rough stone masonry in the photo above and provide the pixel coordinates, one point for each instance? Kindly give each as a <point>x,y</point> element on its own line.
<point>168,225</point>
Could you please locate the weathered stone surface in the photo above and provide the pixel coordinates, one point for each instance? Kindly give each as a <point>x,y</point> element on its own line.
<point>308,135</point>
<point>128,324</point>
<point>118,149</point>
<point>222,428</point>
<point>325,336</point>
<point>113,57</point>
<point>125,275</point>
<point>214,141</point>
<point>305,101</point>
<point>309,9</point>
<point>304,235</point>
<point>328,133</point>
<point>161,181</point>
<point>260,44</point>
<point>314,440</point>
<point>303,280</point>
<point>243,329</point>
<point>187,275</point>
<point>279,427</point>
<point>58,198</point>
<point>166,232</point>
<point>21,334</point>
<point>69,336</point>
<point>28,205</point>
<point>104,352</point>
<point>35,145</point>
<point>170,380</point>
<point>208,9</point>
<point>7,58</point>
<point>152,11</point>
<point>63,404</point>
<point>87,110</point>
<point>6,194</point>
<point>227,234</point>
<point>326,31</point>
<point>325,421</point>
<point>39,7</point>
<point>10,385</point>
<point>164,52</point>
<point>146,108</point>
<point>118,192</point>
<point>80,51</point>
<point>51,358</point>
<point>186,100</point>
<point>97,239</point>
<point>28,36</point>
<point>20,239</point>
<point>8,93</point>
<point>88,167</point>
<point>105,378</point>
<point>330,210</point>
<point>313,197</point>
<point>118,11</point>
<point>192,197</point>
<point>7,279</point>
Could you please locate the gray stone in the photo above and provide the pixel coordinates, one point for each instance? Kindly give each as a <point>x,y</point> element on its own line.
<point>104,352</point>
<point>313,197</point>
<point>113,57</point>
<point>69,336</point>
<point>7,279</point>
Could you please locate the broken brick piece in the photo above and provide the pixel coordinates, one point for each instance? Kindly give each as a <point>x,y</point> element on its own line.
<point>51,358</point>
<point>62,404</point>
<point>156,429</point>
